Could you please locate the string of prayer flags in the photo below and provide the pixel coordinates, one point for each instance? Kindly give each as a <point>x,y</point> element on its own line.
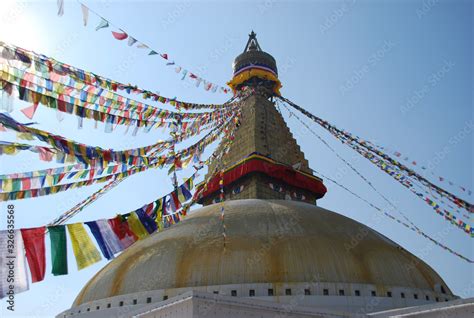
<point>33,240</point>
<point>84,250</point>
<point>379,156</point>
<point>57,236</point>
<point>82,152</point>
<point>67,93</point>
<point>12,259</point>
<point>413,162</point>
<point>81,205</point>
<point>12,148</point>
<point>412,228</point>
<point>123,35</point>
<point>14,192</point>
<point>393,171</point>
<point>13,186</point>
<point>54,71</point>
<point>88,101</point>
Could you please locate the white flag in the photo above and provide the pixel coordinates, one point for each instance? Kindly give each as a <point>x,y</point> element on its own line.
<point>12,264</point>
<point>131,41</point>
<point>85,14</point>
<point>110,239</point>
<point>60,7</point>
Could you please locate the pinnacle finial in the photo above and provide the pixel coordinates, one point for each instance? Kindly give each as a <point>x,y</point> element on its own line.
<point>252,43</point>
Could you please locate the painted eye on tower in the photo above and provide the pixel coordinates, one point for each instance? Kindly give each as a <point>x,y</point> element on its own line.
<point>237,190</point>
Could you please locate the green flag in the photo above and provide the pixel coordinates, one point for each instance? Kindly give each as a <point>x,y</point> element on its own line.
<point>57,235</point>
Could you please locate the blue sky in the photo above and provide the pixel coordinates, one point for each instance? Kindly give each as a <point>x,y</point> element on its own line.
<point>395,72</point>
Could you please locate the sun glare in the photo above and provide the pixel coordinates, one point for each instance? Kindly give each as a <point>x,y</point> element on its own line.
<point>17,26</point>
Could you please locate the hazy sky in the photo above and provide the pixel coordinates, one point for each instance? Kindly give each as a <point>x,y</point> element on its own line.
<point>395,72</point>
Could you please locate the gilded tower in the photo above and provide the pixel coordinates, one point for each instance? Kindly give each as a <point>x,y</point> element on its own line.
<point>265,161</point>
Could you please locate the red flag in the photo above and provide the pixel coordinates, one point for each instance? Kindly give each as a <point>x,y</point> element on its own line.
<point>45,154</point>
<point>165,56</point>
<point>61,104</point>
<point>35,252</point>
<point>30,111</point>
<point>123,232</point>
<point>26,183</point>
<point>120,36</point>
<point>175,199</point>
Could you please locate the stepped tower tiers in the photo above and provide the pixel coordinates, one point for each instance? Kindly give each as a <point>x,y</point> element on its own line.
<point>265,161</point>
<point>284,256</point>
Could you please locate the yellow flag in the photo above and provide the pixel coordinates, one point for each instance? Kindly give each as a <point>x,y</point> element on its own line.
<point>85,251</point>
<point>24,136</point>
<point>70,159</point>
<point>136,226</point>
<point>7,185</point>
<point>49,180</point>
<point>10,150</point>
<point>159,216</point>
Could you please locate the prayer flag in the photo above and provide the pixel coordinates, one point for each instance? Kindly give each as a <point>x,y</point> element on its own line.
<point>84,250</point>
<point>57,235</point>
<point>147,222</point>
<point>100,240</point>
<point>12,258</point>
<point>30,111</point>
<point>110,238</point>
<point>85,14</point>
<point>60,4</point>
<point>35,252</point>
<point>122,231</point>
<point>103,24</point>
<point>136,226</point>
<point>131,41</point>
<point>120,35</point>
<point>184,192</point>
<point>107,240</point>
